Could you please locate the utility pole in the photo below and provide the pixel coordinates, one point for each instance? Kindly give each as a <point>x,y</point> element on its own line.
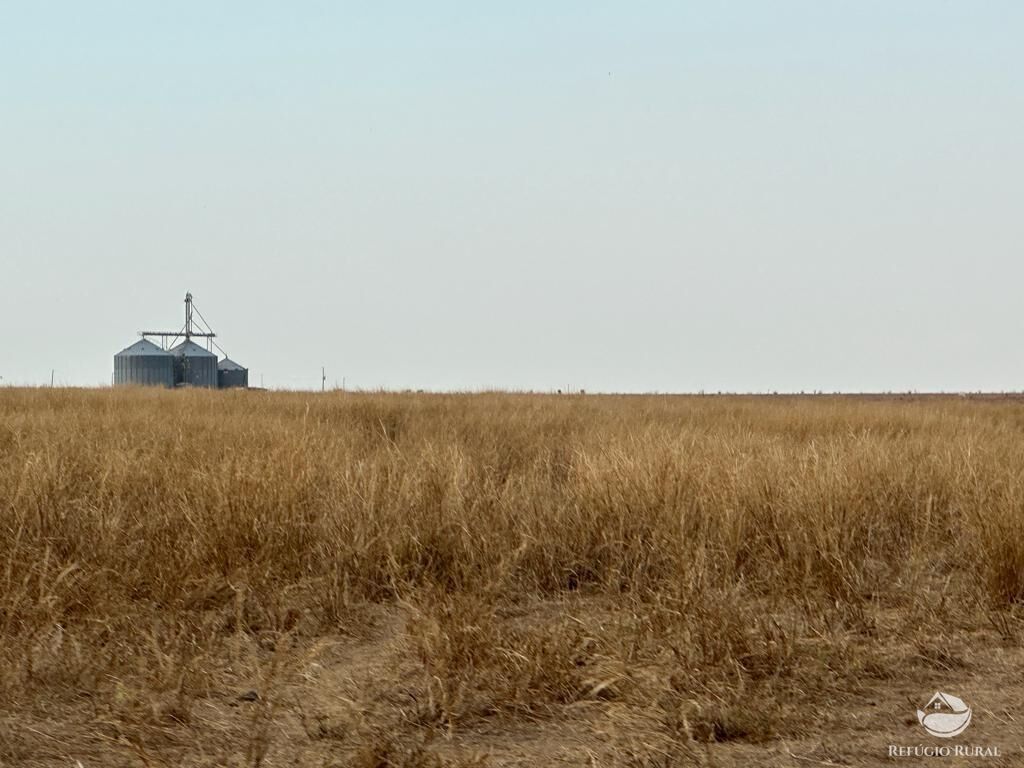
<point>51,378</point>
<point>323,379</point>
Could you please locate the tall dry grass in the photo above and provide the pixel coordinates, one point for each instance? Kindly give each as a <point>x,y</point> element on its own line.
<point>713,546</point>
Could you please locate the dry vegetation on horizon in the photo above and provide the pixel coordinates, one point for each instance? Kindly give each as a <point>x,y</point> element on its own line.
<point>414,581</point>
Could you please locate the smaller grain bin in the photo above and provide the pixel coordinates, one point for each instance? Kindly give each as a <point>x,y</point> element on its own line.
<point>231,375</point>
<point>143,364</point>
<point>194,366</point>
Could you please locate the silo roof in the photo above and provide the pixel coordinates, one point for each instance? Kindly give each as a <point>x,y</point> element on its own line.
<point>142,348</point>
<point>191,349</point>
<point>227,364</point>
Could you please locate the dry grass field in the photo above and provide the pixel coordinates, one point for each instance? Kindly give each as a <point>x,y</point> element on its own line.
<point>425,581</point>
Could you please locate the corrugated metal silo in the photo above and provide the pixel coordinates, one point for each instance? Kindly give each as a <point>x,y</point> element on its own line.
<point>230,374</point>
<point>194,366</point>
<point>144,364</point>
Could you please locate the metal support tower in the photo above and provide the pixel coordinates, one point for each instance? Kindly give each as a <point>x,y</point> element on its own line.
<point>189,331</point>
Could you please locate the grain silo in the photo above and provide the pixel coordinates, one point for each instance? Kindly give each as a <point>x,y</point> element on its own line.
<point>231,375</point>
<point>144,364</point>
<point>187,364</point>
<point>194,366</point>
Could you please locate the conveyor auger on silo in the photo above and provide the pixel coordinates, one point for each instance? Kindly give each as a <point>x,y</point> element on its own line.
<point>189,331</point>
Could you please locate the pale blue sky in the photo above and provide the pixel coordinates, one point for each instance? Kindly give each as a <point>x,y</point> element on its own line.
<point>616,196</point>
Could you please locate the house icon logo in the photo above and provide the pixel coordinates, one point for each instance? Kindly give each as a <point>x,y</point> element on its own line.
<point>945,716</point>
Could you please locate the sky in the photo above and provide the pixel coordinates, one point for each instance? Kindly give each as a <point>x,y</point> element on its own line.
<point>635,196</point>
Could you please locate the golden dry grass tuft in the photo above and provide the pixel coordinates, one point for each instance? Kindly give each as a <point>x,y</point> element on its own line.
<point>375,580</point>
